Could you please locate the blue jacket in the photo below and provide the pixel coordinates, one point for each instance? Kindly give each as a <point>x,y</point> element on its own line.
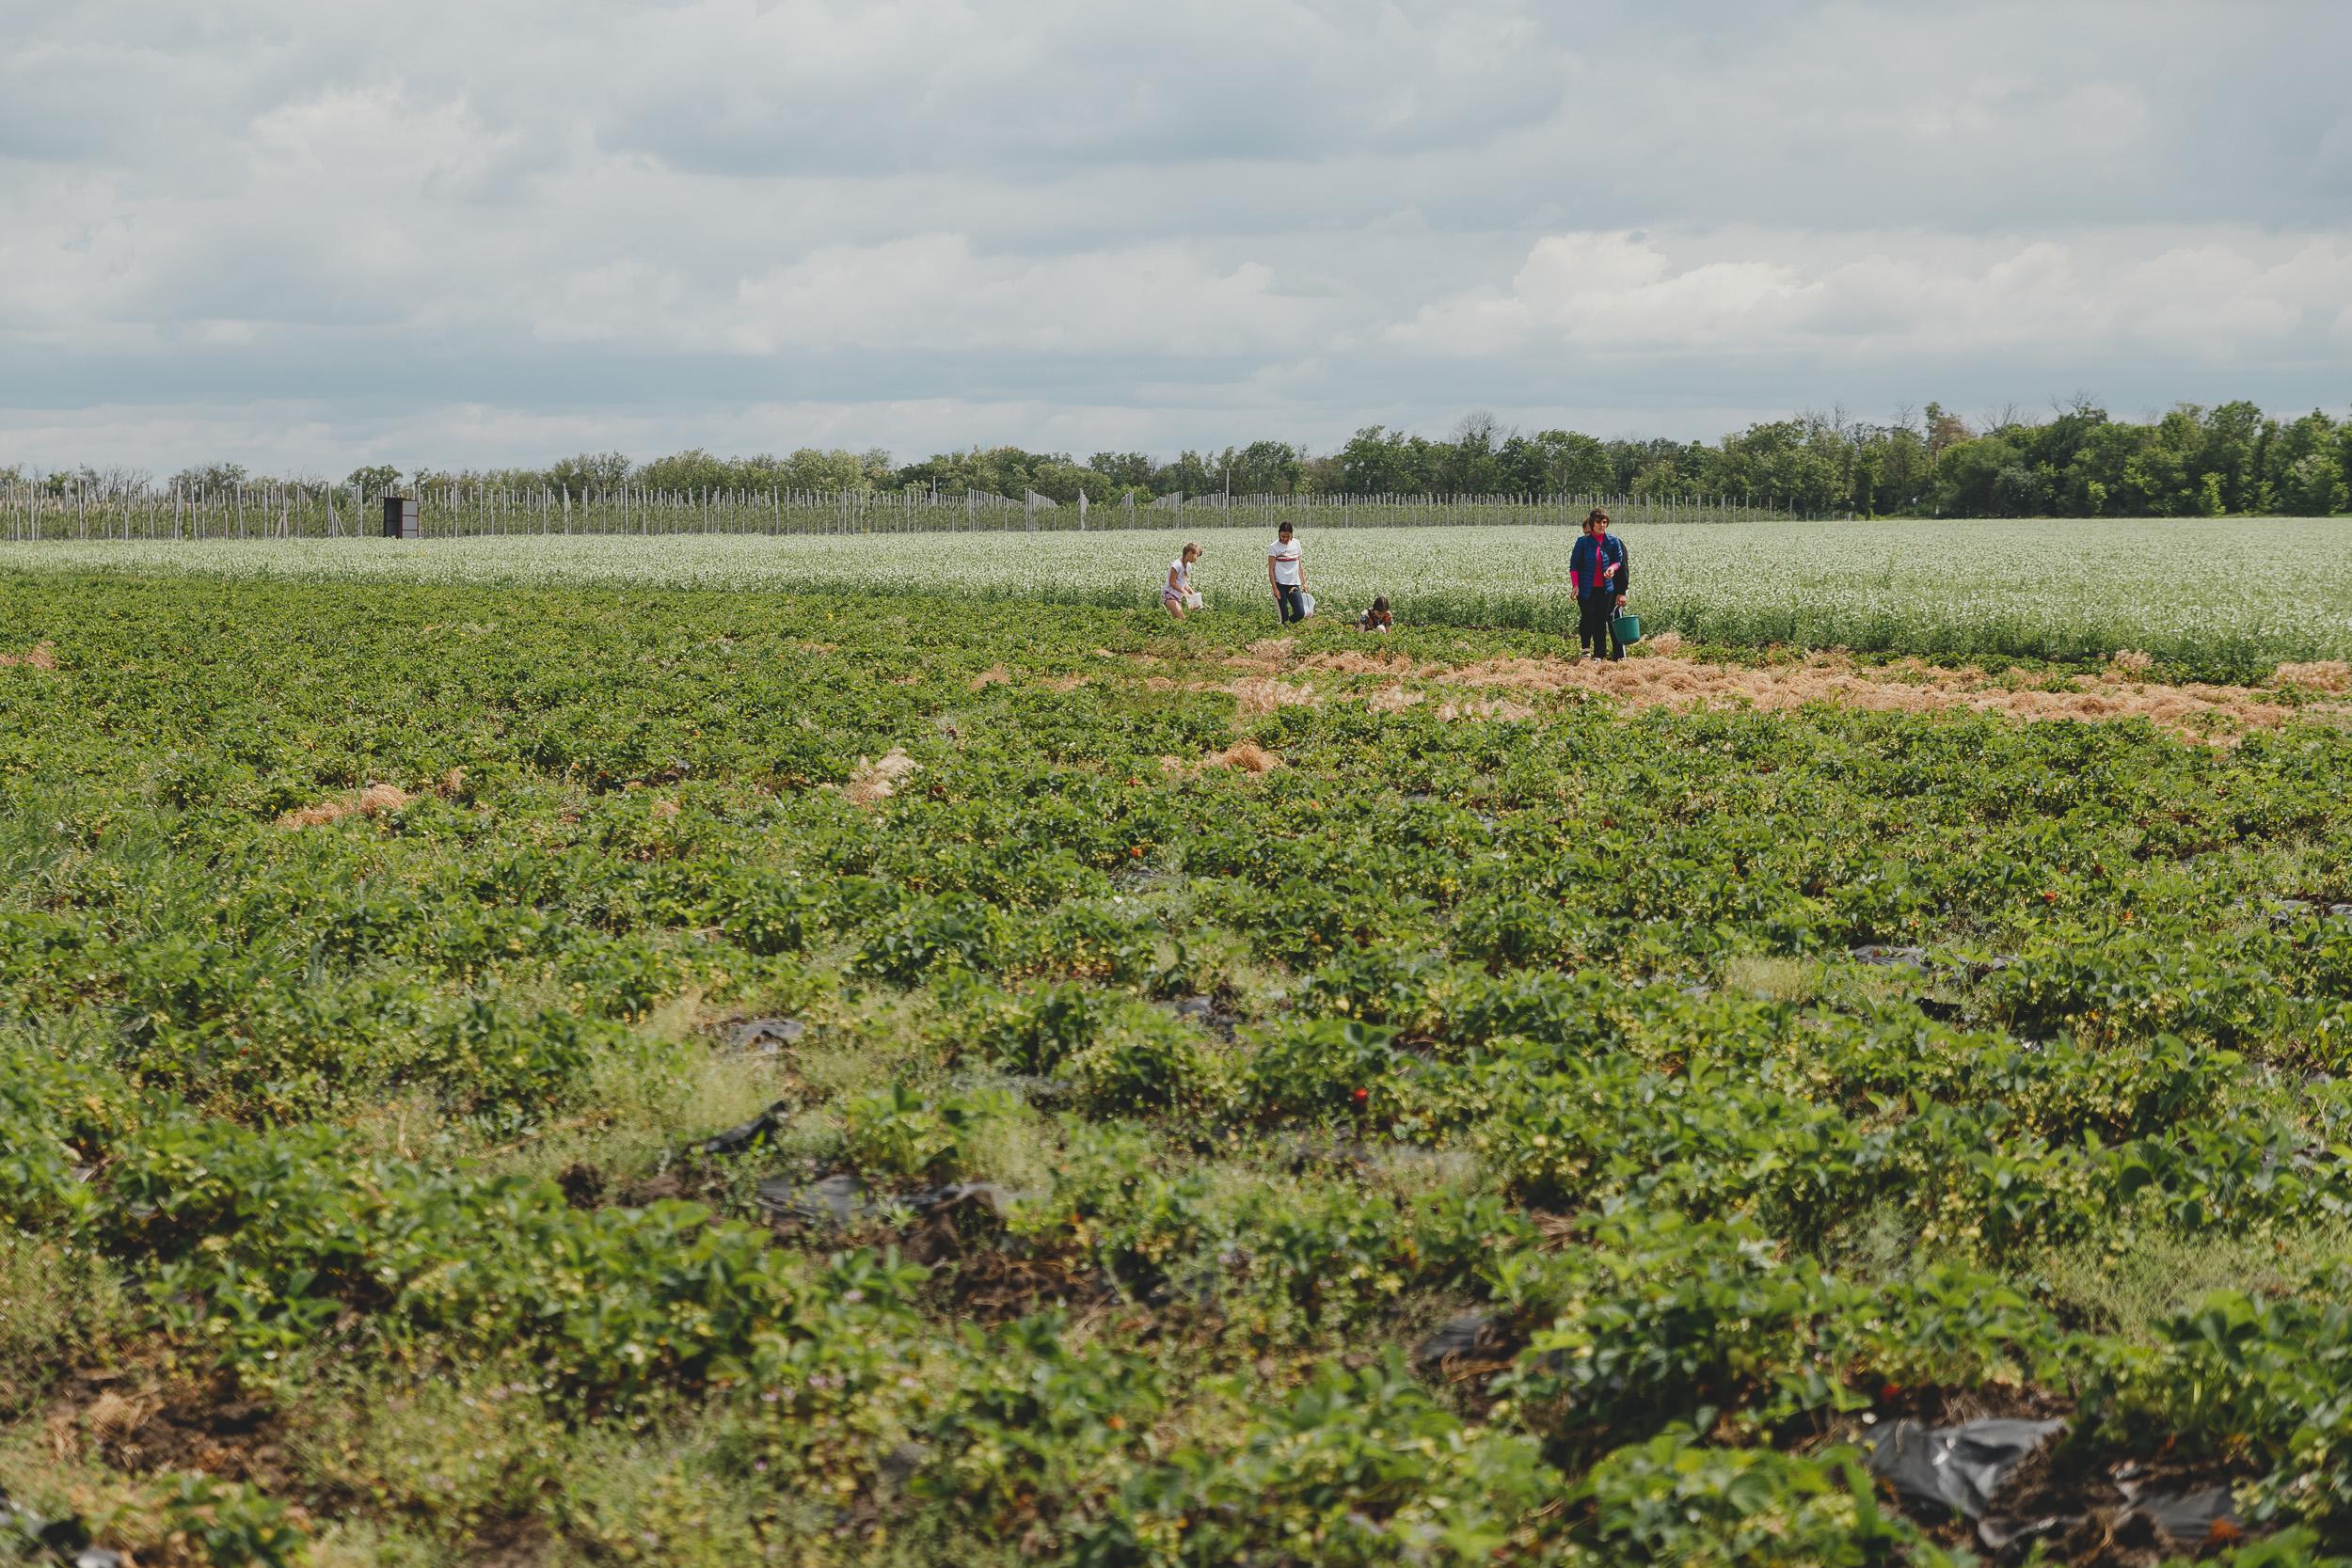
<point>1613,553</point>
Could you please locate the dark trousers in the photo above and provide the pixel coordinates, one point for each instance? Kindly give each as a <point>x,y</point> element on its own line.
<point>1286,599</point>
<point>1594,614</point>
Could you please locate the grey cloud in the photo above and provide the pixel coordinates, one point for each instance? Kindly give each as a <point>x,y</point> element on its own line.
<point>1078,86</point>
<point>541,219</point>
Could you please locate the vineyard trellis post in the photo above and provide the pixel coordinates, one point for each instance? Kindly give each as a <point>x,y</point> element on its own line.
<point>60,509</point>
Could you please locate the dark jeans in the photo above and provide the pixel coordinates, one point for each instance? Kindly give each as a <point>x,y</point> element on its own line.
<point>1594,611</point>
<point>1286,599</point>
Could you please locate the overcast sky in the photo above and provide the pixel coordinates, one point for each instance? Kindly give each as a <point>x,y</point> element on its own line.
<point>309,235</point>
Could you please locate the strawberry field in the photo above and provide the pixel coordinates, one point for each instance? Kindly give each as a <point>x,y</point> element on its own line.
<point>552,1073</point>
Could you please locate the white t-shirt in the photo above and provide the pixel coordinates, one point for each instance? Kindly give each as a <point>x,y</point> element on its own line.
<point>1285,559</point>
<point>1183,578</point>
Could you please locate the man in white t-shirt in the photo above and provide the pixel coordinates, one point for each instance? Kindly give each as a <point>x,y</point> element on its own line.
<point>1285,572</point>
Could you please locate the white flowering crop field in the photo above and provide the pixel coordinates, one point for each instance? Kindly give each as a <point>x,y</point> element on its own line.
<point>2236,593</point>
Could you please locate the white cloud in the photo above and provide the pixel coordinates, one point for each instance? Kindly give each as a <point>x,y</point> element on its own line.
<point>1860,297</point>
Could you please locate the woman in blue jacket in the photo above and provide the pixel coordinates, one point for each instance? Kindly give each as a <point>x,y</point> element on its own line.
<point>1603,572</point>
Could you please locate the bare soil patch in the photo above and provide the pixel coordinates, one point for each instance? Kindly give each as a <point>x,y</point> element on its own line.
<point>40,656</point>
<point>872,783</point>
<point>996,1285</point>
<point>139,1422</point>
<point>1350,662</point>
<point>1483,707</point>
<point>1662,678</point>
<point>1258,695</point>
<point>1245,756</point>
<point>1267,655</point>
<point>375,800</point>
<point>2195,712</point>
<point>2327,675</point>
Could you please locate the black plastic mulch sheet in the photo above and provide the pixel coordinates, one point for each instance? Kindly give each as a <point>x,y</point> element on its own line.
<point>1471,1344</point>
<point>1958,1468</point>
<point>765,1037</point>
<point>764,1126</point>
<point>1961,1469</point>
<point>25,1536</point>
<point>2189,1518</point>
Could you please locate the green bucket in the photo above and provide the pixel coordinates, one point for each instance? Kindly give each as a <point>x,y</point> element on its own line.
<point>1626,629</point>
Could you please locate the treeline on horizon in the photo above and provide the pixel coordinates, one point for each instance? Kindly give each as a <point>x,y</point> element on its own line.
<point>2078,461</point>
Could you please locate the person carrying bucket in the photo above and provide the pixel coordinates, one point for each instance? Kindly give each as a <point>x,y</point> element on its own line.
<point>1177,594</point>
<point>1602,571</point>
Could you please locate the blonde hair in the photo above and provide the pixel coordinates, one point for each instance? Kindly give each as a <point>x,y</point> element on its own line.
<point>1190,548</point>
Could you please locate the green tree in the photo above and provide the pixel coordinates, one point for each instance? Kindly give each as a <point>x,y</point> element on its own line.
<point>1007,471</point>
<point>820,468</point>
<point>2315,486</point>
<point>2017,491</point>
<point>1468,464</point>
<point>1863,479</point>
<point>2292,486</point>
<point>1945,430</point>
<point>687,472</point>
<point>2080,463</point>
<point>1902,472</point>
<point>2232,450</point>
<point>1061,480</point>
<point>1557,462</point>
<point>1320,476</point>
<point>1127,470</point>
<point>210,479</point>
<point>1263,468</point>
<point>1193,474</point>
<point>1787,461</point>
<point>1378,461</point>
<point>589,472</point>
<point>2096,480</point>
<point>1968,474</point>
